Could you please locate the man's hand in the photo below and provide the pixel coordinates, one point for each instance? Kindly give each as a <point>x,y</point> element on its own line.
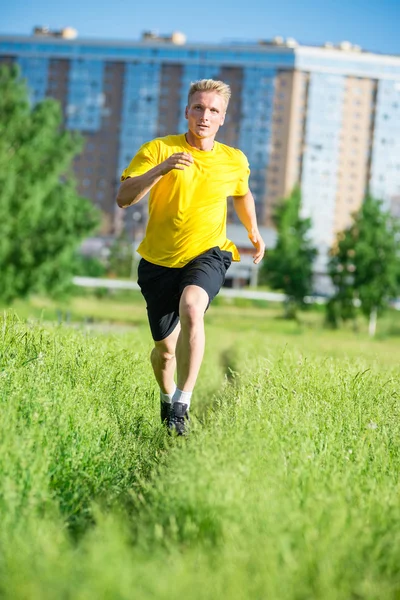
<point>134,188</point>
<point>179,161</point>
<point>258,243</point>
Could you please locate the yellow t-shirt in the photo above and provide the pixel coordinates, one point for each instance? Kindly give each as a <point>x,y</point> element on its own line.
<point>187,209</point>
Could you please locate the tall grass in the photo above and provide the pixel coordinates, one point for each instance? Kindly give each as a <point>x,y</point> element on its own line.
<point>288,487</point>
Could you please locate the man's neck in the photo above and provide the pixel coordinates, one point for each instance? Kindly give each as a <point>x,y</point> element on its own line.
<point>205,144</point>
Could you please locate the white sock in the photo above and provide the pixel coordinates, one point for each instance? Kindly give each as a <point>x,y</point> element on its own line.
<point>183,397</point>
<point>167,397</point>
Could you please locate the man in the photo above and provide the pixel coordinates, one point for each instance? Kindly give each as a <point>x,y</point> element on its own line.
<point>185,252</point>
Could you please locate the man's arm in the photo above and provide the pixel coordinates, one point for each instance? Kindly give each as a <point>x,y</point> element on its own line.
<point>134,188</point>
<point>246,211</point>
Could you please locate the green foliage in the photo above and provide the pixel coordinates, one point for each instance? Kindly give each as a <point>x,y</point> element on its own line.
<point>90,266</point>
<point>42,219</point>
<point>289,266</point>
<point>364,265</point>
<point>268,498</point>
<point>120,260</point>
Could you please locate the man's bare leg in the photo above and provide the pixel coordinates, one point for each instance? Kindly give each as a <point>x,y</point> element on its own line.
<point>189,354</point>
<point>191,340</point>
<point>163,361</point>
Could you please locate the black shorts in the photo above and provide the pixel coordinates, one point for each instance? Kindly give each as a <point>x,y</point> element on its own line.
<point>162,287</point>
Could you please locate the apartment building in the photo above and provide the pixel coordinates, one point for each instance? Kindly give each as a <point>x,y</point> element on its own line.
<point>327,118</point>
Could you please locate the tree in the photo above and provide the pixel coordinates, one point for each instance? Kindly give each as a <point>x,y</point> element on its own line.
<point>289,266</point>
<point>364,266</point>
<point>42,219</point>
<point>342,305</point>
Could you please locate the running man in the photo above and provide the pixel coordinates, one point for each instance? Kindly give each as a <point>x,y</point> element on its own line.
<point>185,251</point>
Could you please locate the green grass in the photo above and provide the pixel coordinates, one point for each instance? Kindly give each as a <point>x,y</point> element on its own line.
<point>287,488</point>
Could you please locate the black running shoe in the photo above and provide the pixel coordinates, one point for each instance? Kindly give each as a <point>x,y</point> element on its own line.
<point>179,418</point>
<point>165,411</point>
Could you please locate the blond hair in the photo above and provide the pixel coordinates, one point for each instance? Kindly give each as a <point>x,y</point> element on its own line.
<point>210,85</point>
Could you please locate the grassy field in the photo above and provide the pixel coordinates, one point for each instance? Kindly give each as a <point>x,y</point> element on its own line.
<point>288,487</point>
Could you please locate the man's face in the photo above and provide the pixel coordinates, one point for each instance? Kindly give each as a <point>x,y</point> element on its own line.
<point>205,114</point>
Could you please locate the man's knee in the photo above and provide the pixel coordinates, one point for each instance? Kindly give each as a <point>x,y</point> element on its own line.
<point>193,304</point>
<point>163,352</point>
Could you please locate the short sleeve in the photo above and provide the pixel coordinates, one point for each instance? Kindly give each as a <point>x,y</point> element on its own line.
<point>242,186</point>
<point>143,161</point>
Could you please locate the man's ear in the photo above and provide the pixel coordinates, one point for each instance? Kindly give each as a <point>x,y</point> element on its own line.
<point>186,112</point>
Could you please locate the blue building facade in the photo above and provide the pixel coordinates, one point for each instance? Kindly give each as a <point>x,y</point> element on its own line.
<point>385,172</point>
<point>320,159</point>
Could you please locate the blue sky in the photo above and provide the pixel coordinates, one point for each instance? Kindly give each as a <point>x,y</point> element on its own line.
<point>371,24</point>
